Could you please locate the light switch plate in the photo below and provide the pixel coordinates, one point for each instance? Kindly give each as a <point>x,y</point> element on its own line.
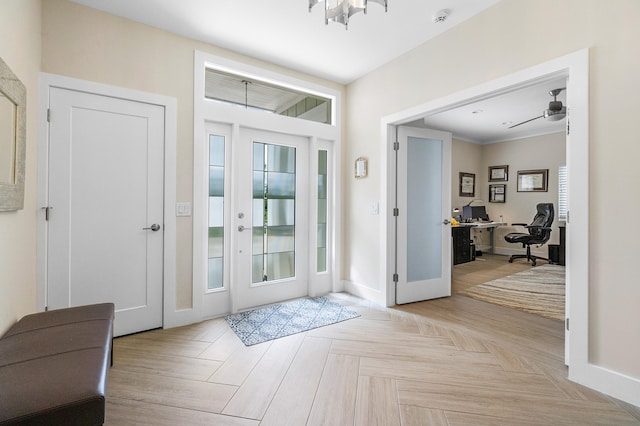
<point>183,209</point>
<point>374,208</point>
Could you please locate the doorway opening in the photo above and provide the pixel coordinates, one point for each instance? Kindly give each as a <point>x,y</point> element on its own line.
<point>574,68</point>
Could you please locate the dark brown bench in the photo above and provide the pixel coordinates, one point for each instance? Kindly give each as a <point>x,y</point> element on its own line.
<point>54,366</point>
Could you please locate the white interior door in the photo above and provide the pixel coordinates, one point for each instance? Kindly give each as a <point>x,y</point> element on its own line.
<point>423,189</point>
<point>105,193</point>
<point>271,218</point>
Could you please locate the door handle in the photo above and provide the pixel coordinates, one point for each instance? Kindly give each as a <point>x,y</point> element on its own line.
<point>446,222</point>
<point>155,227</point>
<point>243,228</point>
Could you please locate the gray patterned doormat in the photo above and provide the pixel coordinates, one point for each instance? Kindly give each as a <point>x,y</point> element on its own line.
<point>285,319</point>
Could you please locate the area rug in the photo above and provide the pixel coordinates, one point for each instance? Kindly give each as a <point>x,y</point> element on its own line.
<point>539,290</point>
<point>285,319</point>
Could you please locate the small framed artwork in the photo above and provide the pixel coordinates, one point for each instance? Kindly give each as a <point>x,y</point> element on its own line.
<point>361,167</point>
<point>467,184</point>
<point>533,180</point>
<point>498,193</point>
<point>498,173</point>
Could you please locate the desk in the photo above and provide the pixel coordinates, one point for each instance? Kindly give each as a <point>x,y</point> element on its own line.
<point>491,226</point>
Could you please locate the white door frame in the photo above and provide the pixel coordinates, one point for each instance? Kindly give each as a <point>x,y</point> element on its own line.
<point>171,316</point>
<point>319,134</point>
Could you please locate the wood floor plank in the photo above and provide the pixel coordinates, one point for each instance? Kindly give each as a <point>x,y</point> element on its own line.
<point>128,412</point>
<point>509,405</point>
<point>466,342</point>
<point>292,403</point>
<point>376,402</point>
<point>240,364</point>
<point>175,392</point>
<point>457,373</point>
<point>150,362</point>
<point>418,350</point>
<point>223,347</point>
<point>455,418</point>
<point>336,398</point>
<point>510,361</point>
<point>161,343</point>
<point>205,331</point>
<point>255,394</point>
<point>420,416</point>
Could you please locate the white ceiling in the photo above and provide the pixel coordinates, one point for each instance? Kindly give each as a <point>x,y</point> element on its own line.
<point>488,120</point>
<point>284,32</point>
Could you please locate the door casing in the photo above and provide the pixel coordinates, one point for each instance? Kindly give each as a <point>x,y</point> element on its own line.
<point>320,135</point>
<point>171,315</point>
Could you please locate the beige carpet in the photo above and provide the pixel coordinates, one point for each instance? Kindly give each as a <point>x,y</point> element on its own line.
<point>538,290</point>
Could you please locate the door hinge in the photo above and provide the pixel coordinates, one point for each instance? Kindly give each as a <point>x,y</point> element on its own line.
<point>567,323</point>
<point>396,211</point>
<point>395,278</point>
<point>396,146</point>
<point>46,212</point>
<point>48,115</point>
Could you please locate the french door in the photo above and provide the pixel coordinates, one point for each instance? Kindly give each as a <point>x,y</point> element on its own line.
<point>423,230</point>
<point>258,218</point>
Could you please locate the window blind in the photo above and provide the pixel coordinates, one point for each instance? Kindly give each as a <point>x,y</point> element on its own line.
<point>563,203</point>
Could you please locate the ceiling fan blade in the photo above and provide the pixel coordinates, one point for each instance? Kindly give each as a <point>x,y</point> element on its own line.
<point>535,118</point>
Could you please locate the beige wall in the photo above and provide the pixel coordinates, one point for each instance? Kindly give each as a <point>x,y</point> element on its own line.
<point>84,43</point>
<point>20,49</point>
<point>511,36</point>
<point>466,157</point>
<point>541,152</point>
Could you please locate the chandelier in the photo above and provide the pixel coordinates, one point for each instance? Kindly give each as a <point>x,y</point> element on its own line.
<point>341,10</point>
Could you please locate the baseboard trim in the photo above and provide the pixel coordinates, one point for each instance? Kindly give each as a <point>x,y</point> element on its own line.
<point>617,385</point>
<point>364,292</point>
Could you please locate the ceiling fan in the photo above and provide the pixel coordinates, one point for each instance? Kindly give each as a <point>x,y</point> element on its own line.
<point>555,112</point>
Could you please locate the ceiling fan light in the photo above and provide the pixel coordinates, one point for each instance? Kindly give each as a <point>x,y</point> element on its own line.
<point>556,117</point>
<point>552,115</point>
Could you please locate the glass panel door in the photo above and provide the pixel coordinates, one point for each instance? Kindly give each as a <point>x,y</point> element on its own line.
<point>423,240</point>
<point>271,262</point>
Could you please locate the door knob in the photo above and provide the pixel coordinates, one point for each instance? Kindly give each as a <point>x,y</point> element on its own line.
<point>446,222</point>
<point>243,228</point>
<point>154,227</point>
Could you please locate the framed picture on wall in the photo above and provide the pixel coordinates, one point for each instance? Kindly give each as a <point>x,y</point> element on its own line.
<point>533,180</point>
<point>497,193</point>
<point>467,184</point>
<point>498,173</point>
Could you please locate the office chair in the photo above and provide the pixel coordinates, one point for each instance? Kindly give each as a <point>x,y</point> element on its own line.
<point>539,233</point>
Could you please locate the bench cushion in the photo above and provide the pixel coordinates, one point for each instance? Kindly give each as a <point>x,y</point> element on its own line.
<point>54,366</point>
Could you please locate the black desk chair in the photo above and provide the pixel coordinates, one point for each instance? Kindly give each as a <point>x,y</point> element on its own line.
<point>539,233</point>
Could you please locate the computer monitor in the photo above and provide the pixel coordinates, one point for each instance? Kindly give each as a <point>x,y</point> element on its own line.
<point>474,212</point>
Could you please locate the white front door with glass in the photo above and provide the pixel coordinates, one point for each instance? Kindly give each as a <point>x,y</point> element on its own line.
<point>258,218</point>
<point>271,258</point>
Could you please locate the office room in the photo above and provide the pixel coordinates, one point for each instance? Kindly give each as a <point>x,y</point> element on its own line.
<point>403,355</point>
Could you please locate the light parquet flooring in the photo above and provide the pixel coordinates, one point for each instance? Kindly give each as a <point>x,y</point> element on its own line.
<point>452,361</point>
